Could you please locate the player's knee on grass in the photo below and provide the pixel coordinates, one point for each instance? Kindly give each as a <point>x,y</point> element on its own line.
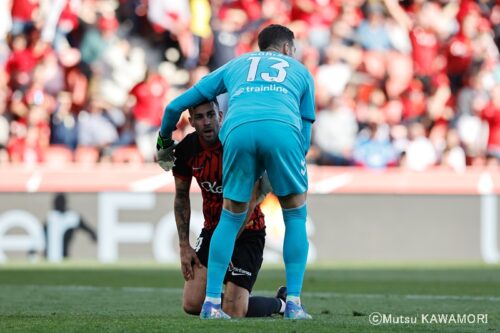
<point>194,292</point>
<point>192,305</point>
<point>235,301</point>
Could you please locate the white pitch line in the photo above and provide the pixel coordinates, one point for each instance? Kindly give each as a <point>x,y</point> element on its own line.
<point>330,184</point>
<point>489,218</point>
<point>406,296</point>
<point>151,183</point>
<point>416,297</point>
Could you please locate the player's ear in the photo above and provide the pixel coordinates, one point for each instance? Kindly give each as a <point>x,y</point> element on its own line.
<point>289,49</point>
<point>221,116</point>
<point>285,49</point>
<point>190,121</point>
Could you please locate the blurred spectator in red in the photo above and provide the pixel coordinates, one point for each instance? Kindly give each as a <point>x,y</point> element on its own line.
<point>425,45</point>
<point>20,63</point>
<point>25,146</point>
<point>459,51</point>
<point>414,102</point>
<point>253,8</point>
<point>491,113</point>
<point>399,73</point>
<point>318,15</point>
<point>15,145</point>
<point>277,11</point>
<point>147,100</point>
<point>30,131</point>
<point>372,108</point>
<point>24,15</point>
<point>4,127</point>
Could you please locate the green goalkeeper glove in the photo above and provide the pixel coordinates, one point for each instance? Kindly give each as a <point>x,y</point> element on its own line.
<point>165,147</point>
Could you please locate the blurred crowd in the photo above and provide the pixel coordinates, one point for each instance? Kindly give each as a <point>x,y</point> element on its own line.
<point>398,83</point>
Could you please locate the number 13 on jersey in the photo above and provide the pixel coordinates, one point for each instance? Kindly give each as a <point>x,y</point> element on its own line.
<point>280,66</point>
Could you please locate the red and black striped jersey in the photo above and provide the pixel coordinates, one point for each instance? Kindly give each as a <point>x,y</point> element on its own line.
<point>194,159</point>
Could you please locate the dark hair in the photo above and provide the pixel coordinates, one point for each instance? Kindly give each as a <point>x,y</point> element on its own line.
<point>214,102</point>
<point>274,35</point>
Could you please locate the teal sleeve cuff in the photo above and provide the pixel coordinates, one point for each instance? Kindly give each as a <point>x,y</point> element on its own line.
<point>306,134</point>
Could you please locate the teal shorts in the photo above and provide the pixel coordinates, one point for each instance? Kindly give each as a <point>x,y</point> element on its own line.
<point>265,145</point>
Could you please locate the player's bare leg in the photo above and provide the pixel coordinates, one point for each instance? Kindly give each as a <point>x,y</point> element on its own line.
<point>235,302</point>
<point>194,291</point>
<point>235,206</point>
<point>292,200</point>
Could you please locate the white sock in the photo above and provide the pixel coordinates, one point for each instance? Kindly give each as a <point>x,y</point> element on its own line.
<point>213,300</point>
<point>295,299</point>
<point>283,306</point>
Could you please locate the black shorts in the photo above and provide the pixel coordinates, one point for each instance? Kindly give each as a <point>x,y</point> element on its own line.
<point>247,256</point>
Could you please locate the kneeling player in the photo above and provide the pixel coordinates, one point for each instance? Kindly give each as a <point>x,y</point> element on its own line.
<point>199,155</point>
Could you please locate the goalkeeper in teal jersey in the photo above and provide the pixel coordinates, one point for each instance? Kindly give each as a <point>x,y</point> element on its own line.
<point>267,127</point>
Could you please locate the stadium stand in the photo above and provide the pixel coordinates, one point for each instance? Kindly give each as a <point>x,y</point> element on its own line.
<point>86,155</point>
<point>409,83</point>
<point>57,155</point>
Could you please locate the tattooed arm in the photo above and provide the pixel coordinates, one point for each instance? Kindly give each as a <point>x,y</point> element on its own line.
<point>182,209</point>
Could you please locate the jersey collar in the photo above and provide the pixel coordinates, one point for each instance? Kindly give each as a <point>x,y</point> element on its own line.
<point>216,146</point>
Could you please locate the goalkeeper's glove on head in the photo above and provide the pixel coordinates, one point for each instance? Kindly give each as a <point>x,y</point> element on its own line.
<point>165,147</point>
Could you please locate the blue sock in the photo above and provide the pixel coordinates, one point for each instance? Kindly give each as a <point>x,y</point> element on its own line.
<point>221,250</point>
<point>295,248</point>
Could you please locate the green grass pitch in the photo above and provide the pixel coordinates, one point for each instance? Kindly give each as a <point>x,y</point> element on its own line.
<point>147,298</point>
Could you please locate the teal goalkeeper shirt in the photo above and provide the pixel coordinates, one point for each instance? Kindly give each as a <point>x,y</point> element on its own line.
<point>261,86</point>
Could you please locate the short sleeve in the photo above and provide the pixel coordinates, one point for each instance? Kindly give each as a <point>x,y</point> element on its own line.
<point>181,168</point>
